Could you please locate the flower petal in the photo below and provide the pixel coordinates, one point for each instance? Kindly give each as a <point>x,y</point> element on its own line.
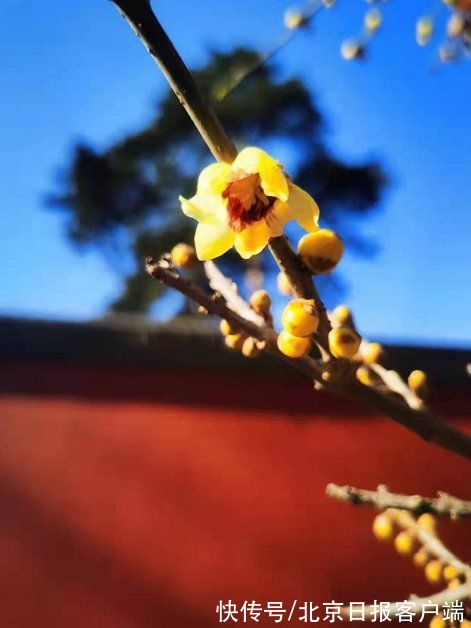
<point>255,160</point>
<point>280,215</point>
<point>212,240</point>
<point>304,208</point>
<point>214,178</point>
<point>206,208</point>
<point>252,239</point>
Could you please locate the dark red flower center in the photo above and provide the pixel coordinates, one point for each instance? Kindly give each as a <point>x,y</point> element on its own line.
<point>246,201</point>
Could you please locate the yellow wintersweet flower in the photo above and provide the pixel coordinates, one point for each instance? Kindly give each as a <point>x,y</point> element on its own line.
<point>244,204</point>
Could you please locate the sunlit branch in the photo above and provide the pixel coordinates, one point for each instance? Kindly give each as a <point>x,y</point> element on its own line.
<point>423,421</point>
<point>381,499</point>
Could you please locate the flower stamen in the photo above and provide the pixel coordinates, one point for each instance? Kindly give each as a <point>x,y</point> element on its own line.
<point>246,201</point>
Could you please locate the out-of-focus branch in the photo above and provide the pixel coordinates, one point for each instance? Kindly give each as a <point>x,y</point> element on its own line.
<point>382,499</point>
<point>394,382</point>
<point>307,13</point>
<point>400,509</point>
<point>228,289</point>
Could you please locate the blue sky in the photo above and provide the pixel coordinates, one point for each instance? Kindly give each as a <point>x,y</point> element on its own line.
<point>73,70</point>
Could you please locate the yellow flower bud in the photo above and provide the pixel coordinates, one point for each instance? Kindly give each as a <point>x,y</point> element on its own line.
<point>226,328</point>
<point>300,317</point>
<point>235,341</point>
<point>424,30</point>
<point>293,346</point>
<point>283,284</point>
<point>433,571</point>
<point>437,622</point>
<point>184,256</point>
<point>320,251</point>
<point>374,353</point>
<point>342,315</point>
<point>352,50</point>
<point>428,522</point>
<point>404,543</point>
<point>294,19</point>
<point>421,558</point>
<point>373,19</point>
<point>383,527</point>
<point>417,381</point>
<point>260,302</point>
<point>450,572</point>
<point>344,342</point>
<point>455,26</point>
<point>365,376</point>
<point>250,348</point>
<point>454,584</point>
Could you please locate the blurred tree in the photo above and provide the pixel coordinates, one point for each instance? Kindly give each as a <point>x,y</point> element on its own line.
<point>124,199</point>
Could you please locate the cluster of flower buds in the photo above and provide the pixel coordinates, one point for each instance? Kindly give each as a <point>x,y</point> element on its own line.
<point>387,528</point>
<point>320,251</point>
<point>300,320</point>
<point>352,49</point>
<point>236,339</point>
<point>458,32</point>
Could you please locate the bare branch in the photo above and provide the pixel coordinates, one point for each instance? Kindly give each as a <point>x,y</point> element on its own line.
<point>382,499</point>
<point>228,289</point>
<point>423,421</point>
<point>394,382</point>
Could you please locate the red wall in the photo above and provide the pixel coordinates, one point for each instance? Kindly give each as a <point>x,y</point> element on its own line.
<point>140,497</point>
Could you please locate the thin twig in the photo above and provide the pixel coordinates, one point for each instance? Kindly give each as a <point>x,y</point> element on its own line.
<point>394,382</point>
<point>308,14</point>
<point>382,499</point>
<point>228,289</point>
